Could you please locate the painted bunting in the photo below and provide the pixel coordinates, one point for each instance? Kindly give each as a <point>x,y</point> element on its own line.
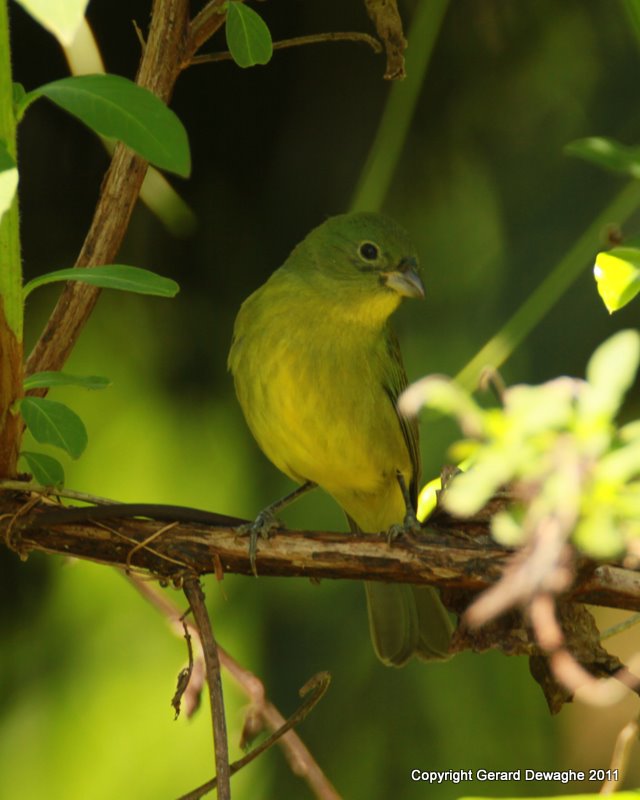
<point>318,371</point>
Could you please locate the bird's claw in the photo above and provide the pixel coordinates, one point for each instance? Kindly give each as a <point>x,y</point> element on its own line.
<point>410,527</point>
<point>263,526</point>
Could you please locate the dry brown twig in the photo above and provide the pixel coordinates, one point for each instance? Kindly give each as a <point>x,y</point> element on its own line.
<point>195,596</point>
<point>312,692</point>
<point>261,713</point>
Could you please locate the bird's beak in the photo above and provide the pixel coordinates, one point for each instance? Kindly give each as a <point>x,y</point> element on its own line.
<point>405,279</point>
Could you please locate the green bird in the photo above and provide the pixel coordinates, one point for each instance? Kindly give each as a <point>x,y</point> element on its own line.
<point>317,372</point>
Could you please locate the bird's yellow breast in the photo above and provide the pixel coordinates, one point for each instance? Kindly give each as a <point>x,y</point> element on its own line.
<point>313,393</point>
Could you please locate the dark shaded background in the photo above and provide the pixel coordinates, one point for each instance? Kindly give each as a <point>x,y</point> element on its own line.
<point>87,669</point>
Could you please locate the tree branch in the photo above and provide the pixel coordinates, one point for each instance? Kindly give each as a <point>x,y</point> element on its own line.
<point>159,69</point>
<point>456,555</point>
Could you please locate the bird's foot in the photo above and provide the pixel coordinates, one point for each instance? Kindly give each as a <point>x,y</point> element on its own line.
<point>411,524</point>
<point>410,527</point>
<point>263,526</point>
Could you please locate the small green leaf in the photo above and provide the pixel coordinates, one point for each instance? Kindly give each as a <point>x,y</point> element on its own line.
<point>607,153</point>
<point>248,37</point>
<point>40,380</point>
<point>617,274</point>
<point>48,471</point>
<point>8,179</point>
<point>54,423</point>
<point>469,491</point>
<point>117,108</point>
<point>610,372</point>
<point>111,276</point>
<point>62,18</point>
<point>614,363</point>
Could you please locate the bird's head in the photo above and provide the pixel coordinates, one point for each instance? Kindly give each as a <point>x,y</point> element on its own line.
<point>366,260</point>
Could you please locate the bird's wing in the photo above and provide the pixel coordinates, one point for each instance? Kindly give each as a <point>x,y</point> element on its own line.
<point>395,383</point>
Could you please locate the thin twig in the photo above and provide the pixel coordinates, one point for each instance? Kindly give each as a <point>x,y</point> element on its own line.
<point>55,491</point>
<point>297,41</point>
<point>627,737</point>
<point>621,627</point>
<point>319,684</point>
<point>195,596</point>
<point>146,542</point>
<point>297,754</point>
<point>206,22</point>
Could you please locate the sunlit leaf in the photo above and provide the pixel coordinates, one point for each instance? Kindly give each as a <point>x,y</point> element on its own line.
<point>248,37</point>
<point>428,498</point>
<point>54,423</point>
<point>47,471</point>
<point>40,380</point>
<point>617,274</point>
<point>62,18</point>
<point>111,276</point>
<point>8,179</point>
<point>117,108</point>
<point>607,153</point>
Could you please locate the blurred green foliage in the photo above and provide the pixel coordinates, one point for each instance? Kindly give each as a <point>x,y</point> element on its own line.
<point>88,669</point>
<point>558,445</point>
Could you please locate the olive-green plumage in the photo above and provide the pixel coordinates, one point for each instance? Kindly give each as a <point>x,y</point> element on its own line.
<point>318,371</point>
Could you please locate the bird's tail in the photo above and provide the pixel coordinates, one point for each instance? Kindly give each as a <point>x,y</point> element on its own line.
<point>407,620</point>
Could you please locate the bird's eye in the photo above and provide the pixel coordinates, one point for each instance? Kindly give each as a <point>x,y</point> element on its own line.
<point>369,251</point>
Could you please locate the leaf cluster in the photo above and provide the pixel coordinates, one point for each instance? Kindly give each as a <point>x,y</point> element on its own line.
<point>558,446</point>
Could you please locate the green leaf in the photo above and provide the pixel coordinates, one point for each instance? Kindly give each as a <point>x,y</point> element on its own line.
<point>62,18</point>
<point>613,365</point>
<point>48,471</point>
<point>8,179</point>
<point>607,153</point>
<point>610,372</point>
<point>248,37</point>
<point>40,380</point>
<point>117,108</point>
<point>54,423</point>
<point>617,274</point>
<point>111,276</point>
